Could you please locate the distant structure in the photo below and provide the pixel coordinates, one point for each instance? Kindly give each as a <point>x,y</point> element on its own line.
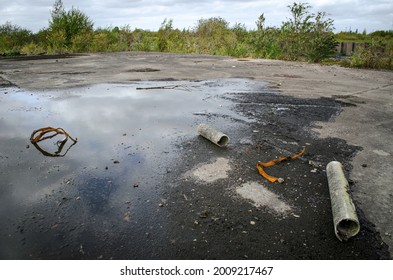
<point>348,48</point>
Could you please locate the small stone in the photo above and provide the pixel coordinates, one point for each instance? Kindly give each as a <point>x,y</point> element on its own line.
<point>280,180</point>
<point>116,162</point>
<point>204,214</point>
<point>364,165</point>
<point>127,217</point>
<point>252,223</point>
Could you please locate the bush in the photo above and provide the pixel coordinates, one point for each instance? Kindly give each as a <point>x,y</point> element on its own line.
<point>56,42</point>
<point>142,41</point>
<point>13,37</point>
<point>378,55</point>
<point>266,44</point>
<point>304,36</point>
<point>82,42</point>
<point>69,23</point>
<point>307,36</point>
<point>32,49</point>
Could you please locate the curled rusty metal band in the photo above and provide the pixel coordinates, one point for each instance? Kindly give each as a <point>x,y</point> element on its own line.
<point>34,139</point>
<point>46,130</point>
<point>261,165</point>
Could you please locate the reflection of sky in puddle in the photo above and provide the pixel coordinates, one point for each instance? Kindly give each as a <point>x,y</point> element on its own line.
<point>125,137</point>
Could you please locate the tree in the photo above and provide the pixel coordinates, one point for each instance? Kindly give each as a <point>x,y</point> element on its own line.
<point>308,35</point>
<point>261,22</point>
<point>69,23</point>
<point>212,27</point>
<point>12,37</point>
<point>164,34</point>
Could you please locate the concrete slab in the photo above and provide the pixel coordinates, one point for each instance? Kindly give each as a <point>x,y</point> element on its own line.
<point>337,113</point>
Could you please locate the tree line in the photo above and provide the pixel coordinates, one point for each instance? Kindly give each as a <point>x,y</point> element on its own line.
<point>304,36</point>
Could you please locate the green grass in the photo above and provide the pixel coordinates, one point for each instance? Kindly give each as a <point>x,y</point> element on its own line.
<point>304,37</point>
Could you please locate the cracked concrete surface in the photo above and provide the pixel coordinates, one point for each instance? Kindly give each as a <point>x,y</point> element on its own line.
<point>366,95</point>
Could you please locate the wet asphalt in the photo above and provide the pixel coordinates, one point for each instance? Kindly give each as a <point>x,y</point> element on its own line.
<point>126,189</point>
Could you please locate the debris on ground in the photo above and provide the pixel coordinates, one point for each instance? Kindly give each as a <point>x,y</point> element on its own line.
<point>181,87</point>
<point>345,219</point>
<point>46,130</point>
<point>273,179</point>
<point>212,134</point>
<point>34,139</point>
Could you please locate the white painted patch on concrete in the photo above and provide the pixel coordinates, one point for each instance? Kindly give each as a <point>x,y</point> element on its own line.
<point>381,153</point>
<point>214,171</point>
<point>262,197</point>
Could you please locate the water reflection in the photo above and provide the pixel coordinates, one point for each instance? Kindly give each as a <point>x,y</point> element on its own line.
<point>126,138</point>
<point>57,153</point>
<point>53,132</point>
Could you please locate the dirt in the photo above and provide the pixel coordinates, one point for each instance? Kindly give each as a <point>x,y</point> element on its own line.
<point>207,202</point>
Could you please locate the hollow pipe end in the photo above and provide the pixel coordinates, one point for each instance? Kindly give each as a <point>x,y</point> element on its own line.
<point>347,228</point>
<point>215,136</point>
<point>223,141</point>
<point>333,166</point>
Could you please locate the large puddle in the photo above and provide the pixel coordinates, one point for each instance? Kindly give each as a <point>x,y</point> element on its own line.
<point>128,136</point>
<point>139,183</point>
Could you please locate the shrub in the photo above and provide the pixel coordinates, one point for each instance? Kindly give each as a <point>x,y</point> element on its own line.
<point>70,23</point>
<point>32,49</point>
<point>56,42</point>
<point>378,55</point>
<point>304,36</point>
<point>214,27</point>
<point>82,42</point>
<point>307,36</point>
<point>13,37</point>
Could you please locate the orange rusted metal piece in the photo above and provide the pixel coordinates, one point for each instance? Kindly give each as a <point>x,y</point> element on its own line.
<point>46,130</point>
<point>273,179</point>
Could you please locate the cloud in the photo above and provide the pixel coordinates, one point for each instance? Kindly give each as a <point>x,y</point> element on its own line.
<point>147,14</point>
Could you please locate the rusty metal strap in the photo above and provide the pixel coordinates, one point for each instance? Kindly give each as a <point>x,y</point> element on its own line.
<point>261,165</point>
<point>42,131</point>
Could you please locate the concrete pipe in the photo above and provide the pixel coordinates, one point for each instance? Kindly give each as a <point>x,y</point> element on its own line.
<point>217,137</point>
<point>346,223</point>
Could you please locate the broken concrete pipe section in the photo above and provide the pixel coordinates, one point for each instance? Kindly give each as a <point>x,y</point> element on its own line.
<point>346,223</point>
<point>215,136</point>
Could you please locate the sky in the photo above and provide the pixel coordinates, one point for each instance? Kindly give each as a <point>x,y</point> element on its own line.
<point>348,15</point>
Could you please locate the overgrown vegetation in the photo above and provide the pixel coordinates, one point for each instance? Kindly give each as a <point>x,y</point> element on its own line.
<point>304,36</point>
<point>375,49</point>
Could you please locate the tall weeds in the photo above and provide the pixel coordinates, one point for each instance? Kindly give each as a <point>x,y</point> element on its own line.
<point>305,36</point>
